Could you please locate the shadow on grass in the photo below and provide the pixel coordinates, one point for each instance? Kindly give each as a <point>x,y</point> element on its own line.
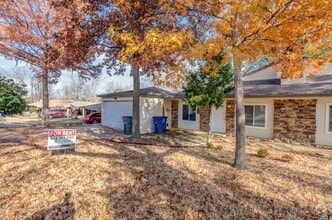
<point>158,189</point>
<point>64,210</point>
<point>180,136</point>
<point>321,183</point>
<point>162,191</point>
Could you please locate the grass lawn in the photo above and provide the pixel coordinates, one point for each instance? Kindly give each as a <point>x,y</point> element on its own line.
<point>172,176</point>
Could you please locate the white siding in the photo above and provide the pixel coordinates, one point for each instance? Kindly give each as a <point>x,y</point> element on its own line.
<point>112,112</point>
<point>184,124</point>
<point>114,109</point>
<point>268,73</point>
<point>150,107</point>
<point>266,132</point>
<point>323,137</point>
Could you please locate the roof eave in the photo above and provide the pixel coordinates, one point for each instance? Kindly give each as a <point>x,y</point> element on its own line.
<point>283,95</point>
<point>130,95</point>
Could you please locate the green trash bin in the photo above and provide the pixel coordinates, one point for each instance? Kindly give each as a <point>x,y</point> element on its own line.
<point>127,124</point>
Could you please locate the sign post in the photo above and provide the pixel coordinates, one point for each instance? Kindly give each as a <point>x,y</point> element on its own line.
<point>59,139</point>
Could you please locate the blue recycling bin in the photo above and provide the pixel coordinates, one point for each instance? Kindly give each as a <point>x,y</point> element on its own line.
<point>160,124</point>
<point>127,124</point>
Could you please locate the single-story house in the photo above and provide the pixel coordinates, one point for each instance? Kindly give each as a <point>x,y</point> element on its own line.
<point>116,105</point>
<point>84,107</point>
<point>53,103</point>
<point>299,109</point>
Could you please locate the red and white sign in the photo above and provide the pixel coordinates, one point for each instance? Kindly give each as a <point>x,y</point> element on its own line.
<point>61,139</point>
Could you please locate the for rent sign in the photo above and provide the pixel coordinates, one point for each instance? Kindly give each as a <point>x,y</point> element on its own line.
<point>61,139</point>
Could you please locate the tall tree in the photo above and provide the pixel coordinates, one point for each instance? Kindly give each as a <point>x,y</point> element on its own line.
<point>25,75</point>
<point>74,87</point>
<point>12,96</point>
<point>209,88</point>
<point>51,35</point>
<point>295,33</point>
<point>147,35</point>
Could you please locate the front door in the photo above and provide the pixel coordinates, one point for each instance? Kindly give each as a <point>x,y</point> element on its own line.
<point>218,118</point>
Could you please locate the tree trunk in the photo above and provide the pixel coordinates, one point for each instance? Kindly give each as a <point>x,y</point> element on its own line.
<point>32,87</point>
<point>240,149</point>
<point>208,142</point>
<point>45,97</point>
<point>135,131</point>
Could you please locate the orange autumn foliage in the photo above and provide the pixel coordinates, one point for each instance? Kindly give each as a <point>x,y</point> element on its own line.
<point>51,36</point>
<point>149,35</point>
<point>53,33</point>
<point>295,33</point>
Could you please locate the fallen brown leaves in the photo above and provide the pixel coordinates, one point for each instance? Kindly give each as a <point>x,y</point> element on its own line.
<point>125,178</point>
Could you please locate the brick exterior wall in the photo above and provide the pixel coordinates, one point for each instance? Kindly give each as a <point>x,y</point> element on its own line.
<point>204,118</point>
<point>230,116</point>
<point>175,113</point>
<point>295,119</point>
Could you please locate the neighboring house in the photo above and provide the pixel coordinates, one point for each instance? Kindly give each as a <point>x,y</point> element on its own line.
<point>93,108</point>
<point>84,107</point>
<point>299,109</point>
<point>53,103</point>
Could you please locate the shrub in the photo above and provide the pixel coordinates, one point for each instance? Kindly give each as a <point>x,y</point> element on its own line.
<point>11,96</point>
<point>213,146</point>
<point>218,147</point>
<point>209,144</point>
<point>33,110</point>
<point>262,153</point>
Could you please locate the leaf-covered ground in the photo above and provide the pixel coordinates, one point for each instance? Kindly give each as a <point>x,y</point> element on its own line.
<point>170,176</point>
<point>31,119</point>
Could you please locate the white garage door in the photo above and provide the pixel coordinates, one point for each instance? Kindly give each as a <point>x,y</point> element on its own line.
<point>113,112</point>
<point>218,120</point>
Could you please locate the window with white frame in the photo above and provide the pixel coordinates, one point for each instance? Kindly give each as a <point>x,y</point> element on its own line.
<point>188,112</point>
<point>329,117</point>
<point>255,115</point>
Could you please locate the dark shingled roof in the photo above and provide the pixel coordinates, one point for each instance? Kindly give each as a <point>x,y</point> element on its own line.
<point>272,88</point>
<point>150,91</point>
<point>178,95</point>
<point>317,85</point>
<point>251,90</point>
<point>313,85</point>
<point>291,90</point>
<point>309,89</point>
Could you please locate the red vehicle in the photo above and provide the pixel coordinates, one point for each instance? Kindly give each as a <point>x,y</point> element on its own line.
<point>54,113</point>
<point>93,118</point>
